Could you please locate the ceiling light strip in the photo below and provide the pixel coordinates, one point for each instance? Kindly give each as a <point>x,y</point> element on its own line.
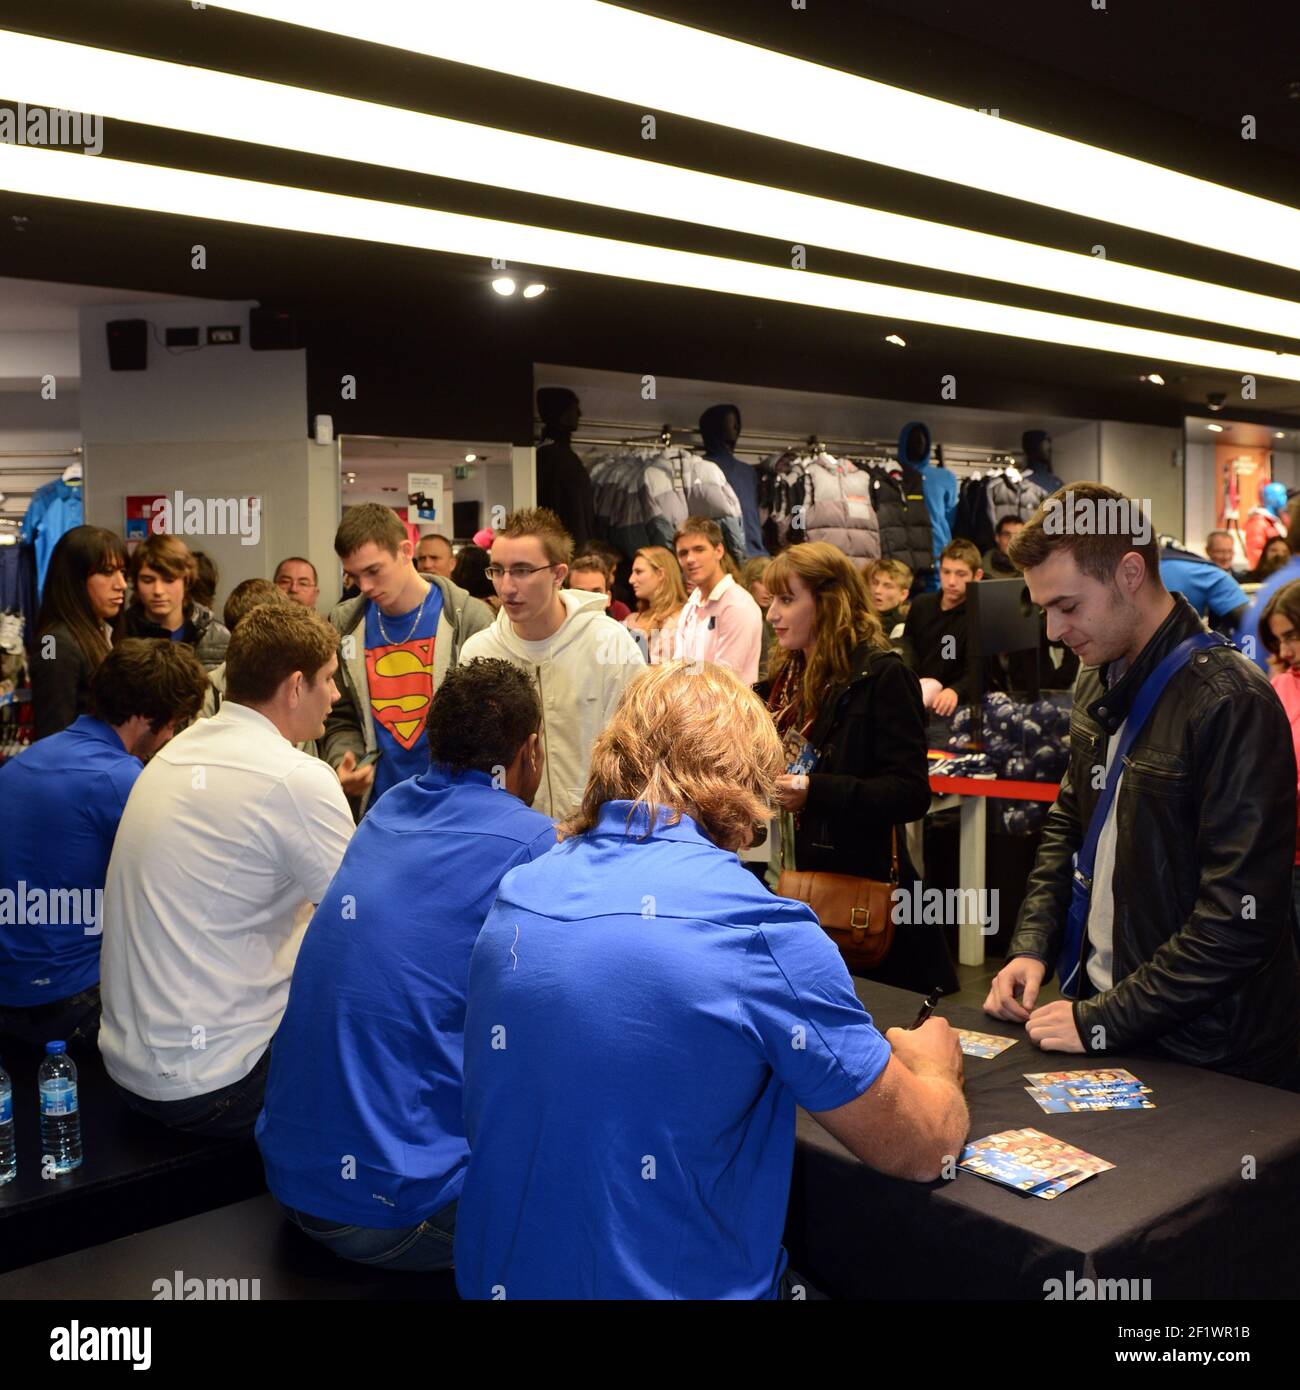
<point>661,66</point>
<point>48,173</point>
<point>148,91</point>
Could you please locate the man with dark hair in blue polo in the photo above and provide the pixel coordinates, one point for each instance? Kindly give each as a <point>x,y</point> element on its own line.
<point>362,1131</point>
<point>60,804</point>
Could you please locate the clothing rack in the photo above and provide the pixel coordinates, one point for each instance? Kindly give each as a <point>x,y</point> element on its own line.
<point>74,453</point>
<point>616,434</point>
<point>12,491</point>
<point>662,439</point>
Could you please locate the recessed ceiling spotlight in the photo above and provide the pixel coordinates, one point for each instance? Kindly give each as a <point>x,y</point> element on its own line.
<point>533,290</point>
<point>1154,378</point>
<point>1281,434</point>
<point>503,285</point>
<point>469,458</point>
<point>1218,429</point>
<point>895,339</point>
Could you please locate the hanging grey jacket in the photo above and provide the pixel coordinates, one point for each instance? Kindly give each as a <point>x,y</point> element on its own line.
<point>818,498</point>
<point>837,501</point>
<point>643,496</point>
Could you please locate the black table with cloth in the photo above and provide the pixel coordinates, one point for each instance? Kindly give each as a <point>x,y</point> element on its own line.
<point>1177,1209</point>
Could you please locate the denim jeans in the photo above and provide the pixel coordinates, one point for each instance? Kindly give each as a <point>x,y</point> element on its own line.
<point>74,1020</point>
<point>427,1246</point>
<point>228,1113</point>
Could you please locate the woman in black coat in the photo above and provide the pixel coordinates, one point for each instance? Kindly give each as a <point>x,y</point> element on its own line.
<point>850,712</point>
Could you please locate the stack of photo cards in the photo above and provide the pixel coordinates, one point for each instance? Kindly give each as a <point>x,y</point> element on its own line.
<point>1030,1161</point>
<point>1070,1092</point>
<point>986,1045</point>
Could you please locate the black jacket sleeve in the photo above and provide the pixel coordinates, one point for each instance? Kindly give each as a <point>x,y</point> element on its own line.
<point>344,731</point>
<point>56,681</point>
<point>1041,925</point>
<point>1244,774</point>
<point>893,785</point>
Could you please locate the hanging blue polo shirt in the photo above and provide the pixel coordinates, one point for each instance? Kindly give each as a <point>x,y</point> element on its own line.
<point>399,677</point>
<point>644,1016</point>
<point>54,509</point>
<point>362,1122</point>
<point>60,804</point>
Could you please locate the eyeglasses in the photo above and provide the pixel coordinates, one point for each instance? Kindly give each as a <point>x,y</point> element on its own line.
<point>516,572</point>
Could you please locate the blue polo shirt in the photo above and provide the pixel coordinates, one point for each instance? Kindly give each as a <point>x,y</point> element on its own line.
<point>60,803</point>
<point>1210,590</point>
<point>644,1016</point>
<point>362,1122</point>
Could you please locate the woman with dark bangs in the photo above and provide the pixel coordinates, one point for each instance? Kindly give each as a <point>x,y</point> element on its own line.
<point>79,621</point>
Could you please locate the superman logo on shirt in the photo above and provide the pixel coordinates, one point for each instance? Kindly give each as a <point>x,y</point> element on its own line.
<point>401,687</point>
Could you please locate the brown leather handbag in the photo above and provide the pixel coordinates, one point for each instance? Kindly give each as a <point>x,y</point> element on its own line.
<point>856,913</point>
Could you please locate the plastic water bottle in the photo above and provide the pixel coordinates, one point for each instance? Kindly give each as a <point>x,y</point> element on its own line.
<point>8,1154</point>
<point>60,1115</point>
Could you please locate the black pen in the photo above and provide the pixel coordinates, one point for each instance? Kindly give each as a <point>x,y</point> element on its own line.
<point>931,1003</point>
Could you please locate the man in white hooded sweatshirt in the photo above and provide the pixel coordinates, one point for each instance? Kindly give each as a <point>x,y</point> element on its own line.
<point>579,659</point>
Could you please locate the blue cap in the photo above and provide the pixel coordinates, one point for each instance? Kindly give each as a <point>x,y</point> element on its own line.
<point>56,1047</point>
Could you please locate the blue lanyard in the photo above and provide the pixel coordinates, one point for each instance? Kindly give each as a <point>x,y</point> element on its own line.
<point>1069,963</point>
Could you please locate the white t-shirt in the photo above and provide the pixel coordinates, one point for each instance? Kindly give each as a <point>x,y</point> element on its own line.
<point>1101,904</point>
<point>230,833</point>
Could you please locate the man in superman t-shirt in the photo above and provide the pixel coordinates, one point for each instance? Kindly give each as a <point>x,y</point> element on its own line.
<point>399,672</point>
<point>397,639</point>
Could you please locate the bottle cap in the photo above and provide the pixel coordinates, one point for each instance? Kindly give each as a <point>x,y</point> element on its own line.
<point>56,1047</point>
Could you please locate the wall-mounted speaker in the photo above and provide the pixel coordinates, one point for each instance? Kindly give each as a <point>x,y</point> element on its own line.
<point>128,345</point>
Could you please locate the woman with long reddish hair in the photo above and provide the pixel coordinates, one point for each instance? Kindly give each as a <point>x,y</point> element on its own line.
<point>850,715</point>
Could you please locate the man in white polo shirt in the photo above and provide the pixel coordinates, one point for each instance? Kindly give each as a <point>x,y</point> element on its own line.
<point>229,836</point>
<point>720,622</point>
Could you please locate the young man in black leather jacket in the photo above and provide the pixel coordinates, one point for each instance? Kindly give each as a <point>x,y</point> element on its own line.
<point>1188,946</point>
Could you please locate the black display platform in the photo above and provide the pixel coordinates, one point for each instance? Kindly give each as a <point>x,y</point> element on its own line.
<point>135,1172</point>
<point>1204,1200</point>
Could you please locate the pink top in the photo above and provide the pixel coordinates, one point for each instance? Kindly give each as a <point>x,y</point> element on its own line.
<point>1287,685</point>
<point>726,627</point>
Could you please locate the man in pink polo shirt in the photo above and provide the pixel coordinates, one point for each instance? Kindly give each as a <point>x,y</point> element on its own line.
<point>720,622</point>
